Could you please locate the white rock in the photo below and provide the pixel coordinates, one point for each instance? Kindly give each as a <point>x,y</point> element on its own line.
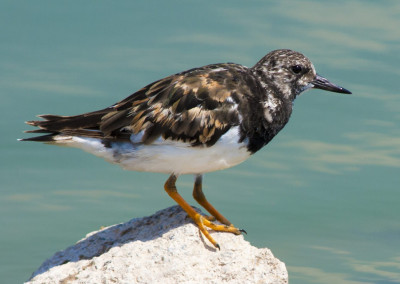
<point>163,248</point>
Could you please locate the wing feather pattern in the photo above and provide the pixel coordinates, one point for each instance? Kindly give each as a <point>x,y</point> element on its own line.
<point>196,106</point>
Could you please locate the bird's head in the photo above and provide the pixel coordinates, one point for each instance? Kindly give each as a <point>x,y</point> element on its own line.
<point>291,73</point>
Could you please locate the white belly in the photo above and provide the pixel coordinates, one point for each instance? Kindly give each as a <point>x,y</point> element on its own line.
<point>166,156</point>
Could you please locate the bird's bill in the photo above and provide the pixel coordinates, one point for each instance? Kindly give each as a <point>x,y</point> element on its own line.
<point>322,83</point>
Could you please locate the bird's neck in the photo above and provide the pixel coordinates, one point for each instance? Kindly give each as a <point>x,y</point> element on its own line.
<point>269,81</point>
<point>270,113</point>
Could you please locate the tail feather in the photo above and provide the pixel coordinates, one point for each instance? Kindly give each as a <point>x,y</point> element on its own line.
<point>43,138</point>
<point>58,123</point>
<point>36,131</point>
<point>86,125</point>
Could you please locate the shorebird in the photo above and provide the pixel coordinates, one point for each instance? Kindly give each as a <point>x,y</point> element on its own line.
<point>200,120</point>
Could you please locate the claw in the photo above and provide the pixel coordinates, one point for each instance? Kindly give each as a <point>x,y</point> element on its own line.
<point>243,231</point>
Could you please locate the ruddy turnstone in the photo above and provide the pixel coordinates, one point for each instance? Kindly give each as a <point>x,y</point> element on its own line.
<point>197,121</point>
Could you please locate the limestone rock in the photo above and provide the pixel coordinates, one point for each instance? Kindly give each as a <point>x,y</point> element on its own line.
<point>163,248</point>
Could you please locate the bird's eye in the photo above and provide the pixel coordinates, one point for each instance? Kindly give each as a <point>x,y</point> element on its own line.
<point>296,69</point>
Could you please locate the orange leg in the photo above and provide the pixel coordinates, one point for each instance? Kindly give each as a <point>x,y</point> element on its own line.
<point>199,196</point>
<point>200,221</point>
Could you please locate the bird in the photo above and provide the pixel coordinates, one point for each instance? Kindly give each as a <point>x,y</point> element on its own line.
<point>194,122</point>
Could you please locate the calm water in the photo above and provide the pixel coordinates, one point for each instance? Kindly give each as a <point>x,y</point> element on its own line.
<point>323,195</point>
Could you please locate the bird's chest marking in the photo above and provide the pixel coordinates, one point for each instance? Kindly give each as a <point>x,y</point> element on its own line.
<point>271,106</point>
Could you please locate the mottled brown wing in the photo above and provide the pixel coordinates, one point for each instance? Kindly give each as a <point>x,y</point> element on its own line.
<point>197,107</point>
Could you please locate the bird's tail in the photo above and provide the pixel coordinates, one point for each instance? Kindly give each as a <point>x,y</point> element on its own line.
<point>56,127</point>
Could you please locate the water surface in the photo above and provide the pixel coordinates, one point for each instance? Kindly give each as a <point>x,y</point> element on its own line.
<point>323,195</point>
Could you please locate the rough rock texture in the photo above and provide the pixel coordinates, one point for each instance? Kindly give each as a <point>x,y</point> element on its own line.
<point>164,248</point>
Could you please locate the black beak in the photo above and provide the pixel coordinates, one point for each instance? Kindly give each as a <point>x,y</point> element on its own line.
<point>323,84</point>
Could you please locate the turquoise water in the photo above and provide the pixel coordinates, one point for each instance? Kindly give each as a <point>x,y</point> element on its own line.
<point>323,195</point>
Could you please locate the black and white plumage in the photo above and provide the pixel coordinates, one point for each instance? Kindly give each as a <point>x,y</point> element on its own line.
<point>197,121</point>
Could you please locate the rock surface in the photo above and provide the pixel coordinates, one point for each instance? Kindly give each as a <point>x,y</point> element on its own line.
<point>163,248</point>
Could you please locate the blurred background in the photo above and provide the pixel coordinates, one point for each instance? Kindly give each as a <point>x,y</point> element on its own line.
<point>323,195</point>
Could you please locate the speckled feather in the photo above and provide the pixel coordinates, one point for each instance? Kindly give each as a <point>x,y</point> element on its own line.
<point>195,106</point>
